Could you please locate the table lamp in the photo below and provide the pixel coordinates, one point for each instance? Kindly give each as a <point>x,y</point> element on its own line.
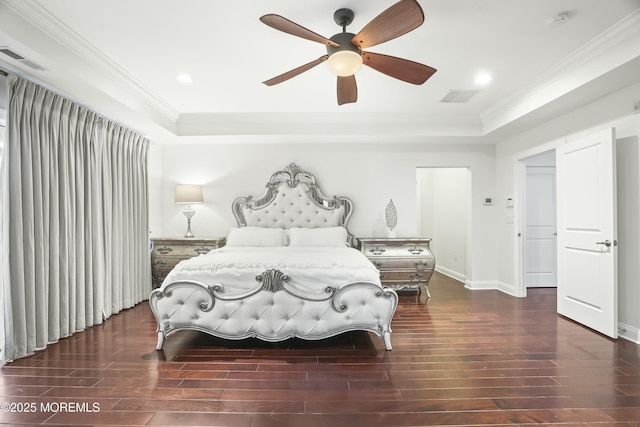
<point>188,194</point>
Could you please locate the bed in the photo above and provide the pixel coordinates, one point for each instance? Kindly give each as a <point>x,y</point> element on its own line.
<point>290,270</point>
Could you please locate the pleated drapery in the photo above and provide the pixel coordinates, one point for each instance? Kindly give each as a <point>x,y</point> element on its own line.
<point>78,218</point>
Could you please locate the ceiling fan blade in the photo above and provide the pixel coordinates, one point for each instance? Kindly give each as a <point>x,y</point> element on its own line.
<point>347,90</point>
<point>292,73</point>
<point>399,19</point>
<point>401,69</point>
<point>290,27</point>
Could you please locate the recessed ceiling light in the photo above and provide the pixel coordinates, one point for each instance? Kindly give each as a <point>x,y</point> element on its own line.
<point>483,79</point>
<point>184,78</point>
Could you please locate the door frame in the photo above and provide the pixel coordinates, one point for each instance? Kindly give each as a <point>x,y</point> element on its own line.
<point>519,179</point>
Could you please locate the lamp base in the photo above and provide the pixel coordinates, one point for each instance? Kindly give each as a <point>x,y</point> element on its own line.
<point>189,212</point>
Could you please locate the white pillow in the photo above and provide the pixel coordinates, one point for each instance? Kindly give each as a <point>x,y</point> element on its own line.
<point>256,236</point>
<point>327,236</point>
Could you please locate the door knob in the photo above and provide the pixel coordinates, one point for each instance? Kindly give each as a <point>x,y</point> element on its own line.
<point>607,243</point>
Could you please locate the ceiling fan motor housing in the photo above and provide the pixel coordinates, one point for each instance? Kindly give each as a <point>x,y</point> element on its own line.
<point>344,40</point>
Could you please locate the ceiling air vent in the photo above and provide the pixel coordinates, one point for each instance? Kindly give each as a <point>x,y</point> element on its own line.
<point>458,96</point>
<point>14,55</point>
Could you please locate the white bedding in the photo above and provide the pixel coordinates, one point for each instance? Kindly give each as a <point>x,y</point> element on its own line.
<point>310,269</point>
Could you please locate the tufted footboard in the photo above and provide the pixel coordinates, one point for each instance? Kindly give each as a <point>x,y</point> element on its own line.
<point>271,311</point>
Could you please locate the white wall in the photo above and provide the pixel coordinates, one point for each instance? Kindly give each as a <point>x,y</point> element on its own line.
<point>369,174</point>
<point>444,203</point>
<point>615,110</point>
<point>628,164</point>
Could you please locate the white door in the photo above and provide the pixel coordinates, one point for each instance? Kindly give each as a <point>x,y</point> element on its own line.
<point>540,230</point>
<point>587,245</point>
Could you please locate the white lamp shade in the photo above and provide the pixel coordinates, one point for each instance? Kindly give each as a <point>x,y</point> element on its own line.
<point>189,193</point>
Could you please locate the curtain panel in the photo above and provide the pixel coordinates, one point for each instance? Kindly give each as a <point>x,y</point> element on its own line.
<point>78,218</point>
<point>4,230</point>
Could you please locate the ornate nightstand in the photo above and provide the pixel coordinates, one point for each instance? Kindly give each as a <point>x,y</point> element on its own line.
<point>404,263</point>
<point>167,252</point>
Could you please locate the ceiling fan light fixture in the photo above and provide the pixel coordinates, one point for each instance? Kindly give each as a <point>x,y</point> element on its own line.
<point>345,53</point>
<point>344,63</point>
<point>345,59</point>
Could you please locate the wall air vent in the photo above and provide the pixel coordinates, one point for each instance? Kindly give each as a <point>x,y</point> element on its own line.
<point>20,58</point>
<point>458,96</point>
<point>11,53</point>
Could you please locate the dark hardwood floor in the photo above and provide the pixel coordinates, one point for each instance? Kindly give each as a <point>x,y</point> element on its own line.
<point>465,358</point>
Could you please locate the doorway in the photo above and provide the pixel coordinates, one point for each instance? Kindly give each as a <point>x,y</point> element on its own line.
<point>443,215</point>
<point>586,220</point>
<point>540,216</point>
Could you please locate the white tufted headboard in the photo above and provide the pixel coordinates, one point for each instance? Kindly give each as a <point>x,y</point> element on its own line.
<point>293,199</point>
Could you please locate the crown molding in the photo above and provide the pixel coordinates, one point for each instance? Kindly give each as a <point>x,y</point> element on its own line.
<point>532,95</point>
<point>34,13</point>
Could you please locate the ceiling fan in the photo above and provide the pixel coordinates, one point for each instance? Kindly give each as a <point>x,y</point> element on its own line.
<point>344,50</point>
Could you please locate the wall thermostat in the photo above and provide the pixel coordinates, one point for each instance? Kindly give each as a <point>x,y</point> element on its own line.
<point>488,201</point>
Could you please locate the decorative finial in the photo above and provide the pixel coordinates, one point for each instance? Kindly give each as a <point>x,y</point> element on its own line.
<point>391,217</point>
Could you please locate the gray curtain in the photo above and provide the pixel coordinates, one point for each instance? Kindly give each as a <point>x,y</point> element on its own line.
<point>4,231</point>
<point>78,218</point>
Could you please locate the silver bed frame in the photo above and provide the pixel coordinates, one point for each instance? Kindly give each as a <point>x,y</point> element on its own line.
<point>270,310</point>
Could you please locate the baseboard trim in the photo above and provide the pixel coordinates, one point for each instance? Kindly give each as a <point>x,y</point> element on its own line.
<point>480,284</point>
<point>451,273</point>
<point>507,289</point>
<point>491,285</point>
<point>629,333</point>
